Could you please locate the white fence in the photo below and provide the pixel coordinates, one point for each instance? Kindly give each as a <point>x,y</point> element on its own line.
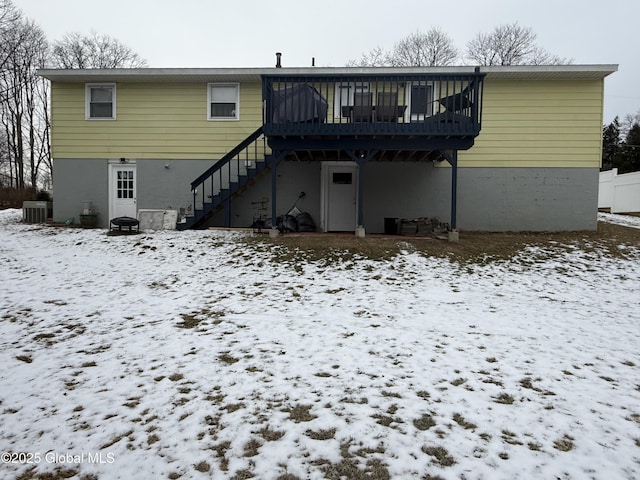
<point>620,193</point>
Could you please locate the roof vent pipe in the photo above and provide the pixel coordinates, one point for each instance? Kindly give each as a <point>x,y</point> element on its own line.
<point>278,62</point>
<point>313,61</point>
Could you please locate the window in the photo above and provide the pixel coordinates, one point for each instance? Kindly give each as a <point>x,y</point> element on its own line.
<point>224,101</point>
<point>421,100</point>
<point>342,178</point>
<point>124,187</point>
<point>101,101</point>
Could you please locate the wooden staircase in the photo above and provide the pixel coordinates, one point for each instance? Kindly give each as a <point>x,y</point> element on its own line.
<point>214,189</point>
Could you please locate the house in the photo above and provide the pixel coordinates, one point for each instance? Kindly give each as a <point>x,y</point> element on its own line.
<point>482,148</point>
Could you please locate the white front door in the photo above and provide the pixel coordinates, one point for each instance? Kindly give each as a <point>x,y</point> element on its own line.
<point>122,191</point>
<point>341,197</point>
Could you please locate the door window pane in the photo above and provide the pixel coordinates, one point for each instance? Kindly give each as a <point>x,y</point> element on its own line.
<point>124,184</point>
<point>342,178</point>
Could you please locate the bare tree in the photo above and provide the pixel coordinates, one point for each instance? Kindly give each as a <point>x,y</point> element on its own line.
<point>9,18</point>
<point>20,102</point>
<point>76,50</point>
<point>376,57</point>
<point>418,49</point>
<point>510,45</point>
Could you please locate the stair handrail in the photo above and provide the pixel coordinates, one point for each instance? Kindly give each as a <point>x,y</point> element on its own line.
<point>227,158</point>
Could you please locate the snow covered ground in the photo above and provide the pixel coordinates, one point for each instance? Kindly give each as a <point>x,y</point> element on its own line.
<point>198,355</point>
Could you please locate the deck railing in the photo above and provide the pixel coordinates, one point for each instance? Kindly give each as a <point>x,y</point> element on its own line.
<point>407,104</point>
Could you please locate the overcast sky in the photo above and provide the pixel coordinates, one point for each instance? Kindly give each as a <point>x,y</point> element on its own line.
<point>247,33</point>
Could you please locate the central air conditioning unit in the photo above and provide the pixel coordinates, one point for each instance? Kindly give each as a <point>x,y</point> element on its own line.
<point>35,212</point>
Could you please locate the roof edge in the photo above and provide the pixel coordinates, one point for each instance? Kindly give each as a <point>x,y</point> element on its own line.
<point>186,74</point>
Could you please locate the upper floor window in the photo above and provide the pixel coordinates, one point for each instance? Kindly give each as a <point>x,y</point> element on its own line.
<point>100,101</point>
<point>224,101</point>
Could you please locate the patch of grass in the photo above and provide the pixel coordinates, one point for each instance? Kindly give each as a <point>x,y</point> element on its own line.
<point>440,454</point>
<point>300,413</point>
<point>425,422</point>
<point>386,393</point>
<point>423,394</point>
<point>228,359</point>
<point>202,466</point>
<point>132,402</point>
<point>536,447</point>
<point>333,291</point>
<point>221,450</point>
<point>232,407</point>
<point>474,247</point>
<point>176,377</point>
<point>243,474</point>
<point>564,444</point>
<point>459,419</point>
<point>634,417</point>
<point>510,438</point>
<point>251,448</point>
<point>270,435</point>
<point>386,420</point>
<point>45,338</point>
<point>350,468</point>
<point>526,382</point>
<point>24,358</point>
<point>504,398</point>
<point>153,438</point>
<point>458,381</point>
<point>116,439</point>
<point>323,434</point>
<point>189,321</point>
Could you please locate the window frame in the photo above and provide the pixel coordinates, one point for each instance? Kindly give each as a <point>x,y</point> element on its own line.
<point>210,86</point>
<point>87,95</point>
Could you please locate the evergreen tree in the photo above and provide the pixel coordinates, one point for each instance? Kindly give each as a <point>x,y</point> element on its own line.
<point>611,144</point>
<point>629,160</point>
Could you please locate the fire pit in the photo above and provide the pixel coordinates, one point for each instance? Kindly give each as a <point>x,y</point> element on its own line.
<point>127,222</point>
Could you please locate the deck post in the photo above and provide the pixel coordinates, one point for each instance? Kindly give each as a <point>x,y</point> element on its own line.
<point>361,158</point>
<point>227,212</point>
<point>275,160</point>
<point>453,234</point>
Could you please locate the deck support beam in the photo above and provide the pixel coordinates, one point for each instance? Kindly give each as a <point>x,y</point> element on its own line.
<point>274,161</point>
<point>452,158</point>
<point>361,158</point>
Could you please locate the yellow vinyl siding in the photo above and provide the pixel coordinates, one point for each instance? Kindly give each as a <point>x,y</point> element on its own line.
<point>538,123</point>
<point>153,120</point>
